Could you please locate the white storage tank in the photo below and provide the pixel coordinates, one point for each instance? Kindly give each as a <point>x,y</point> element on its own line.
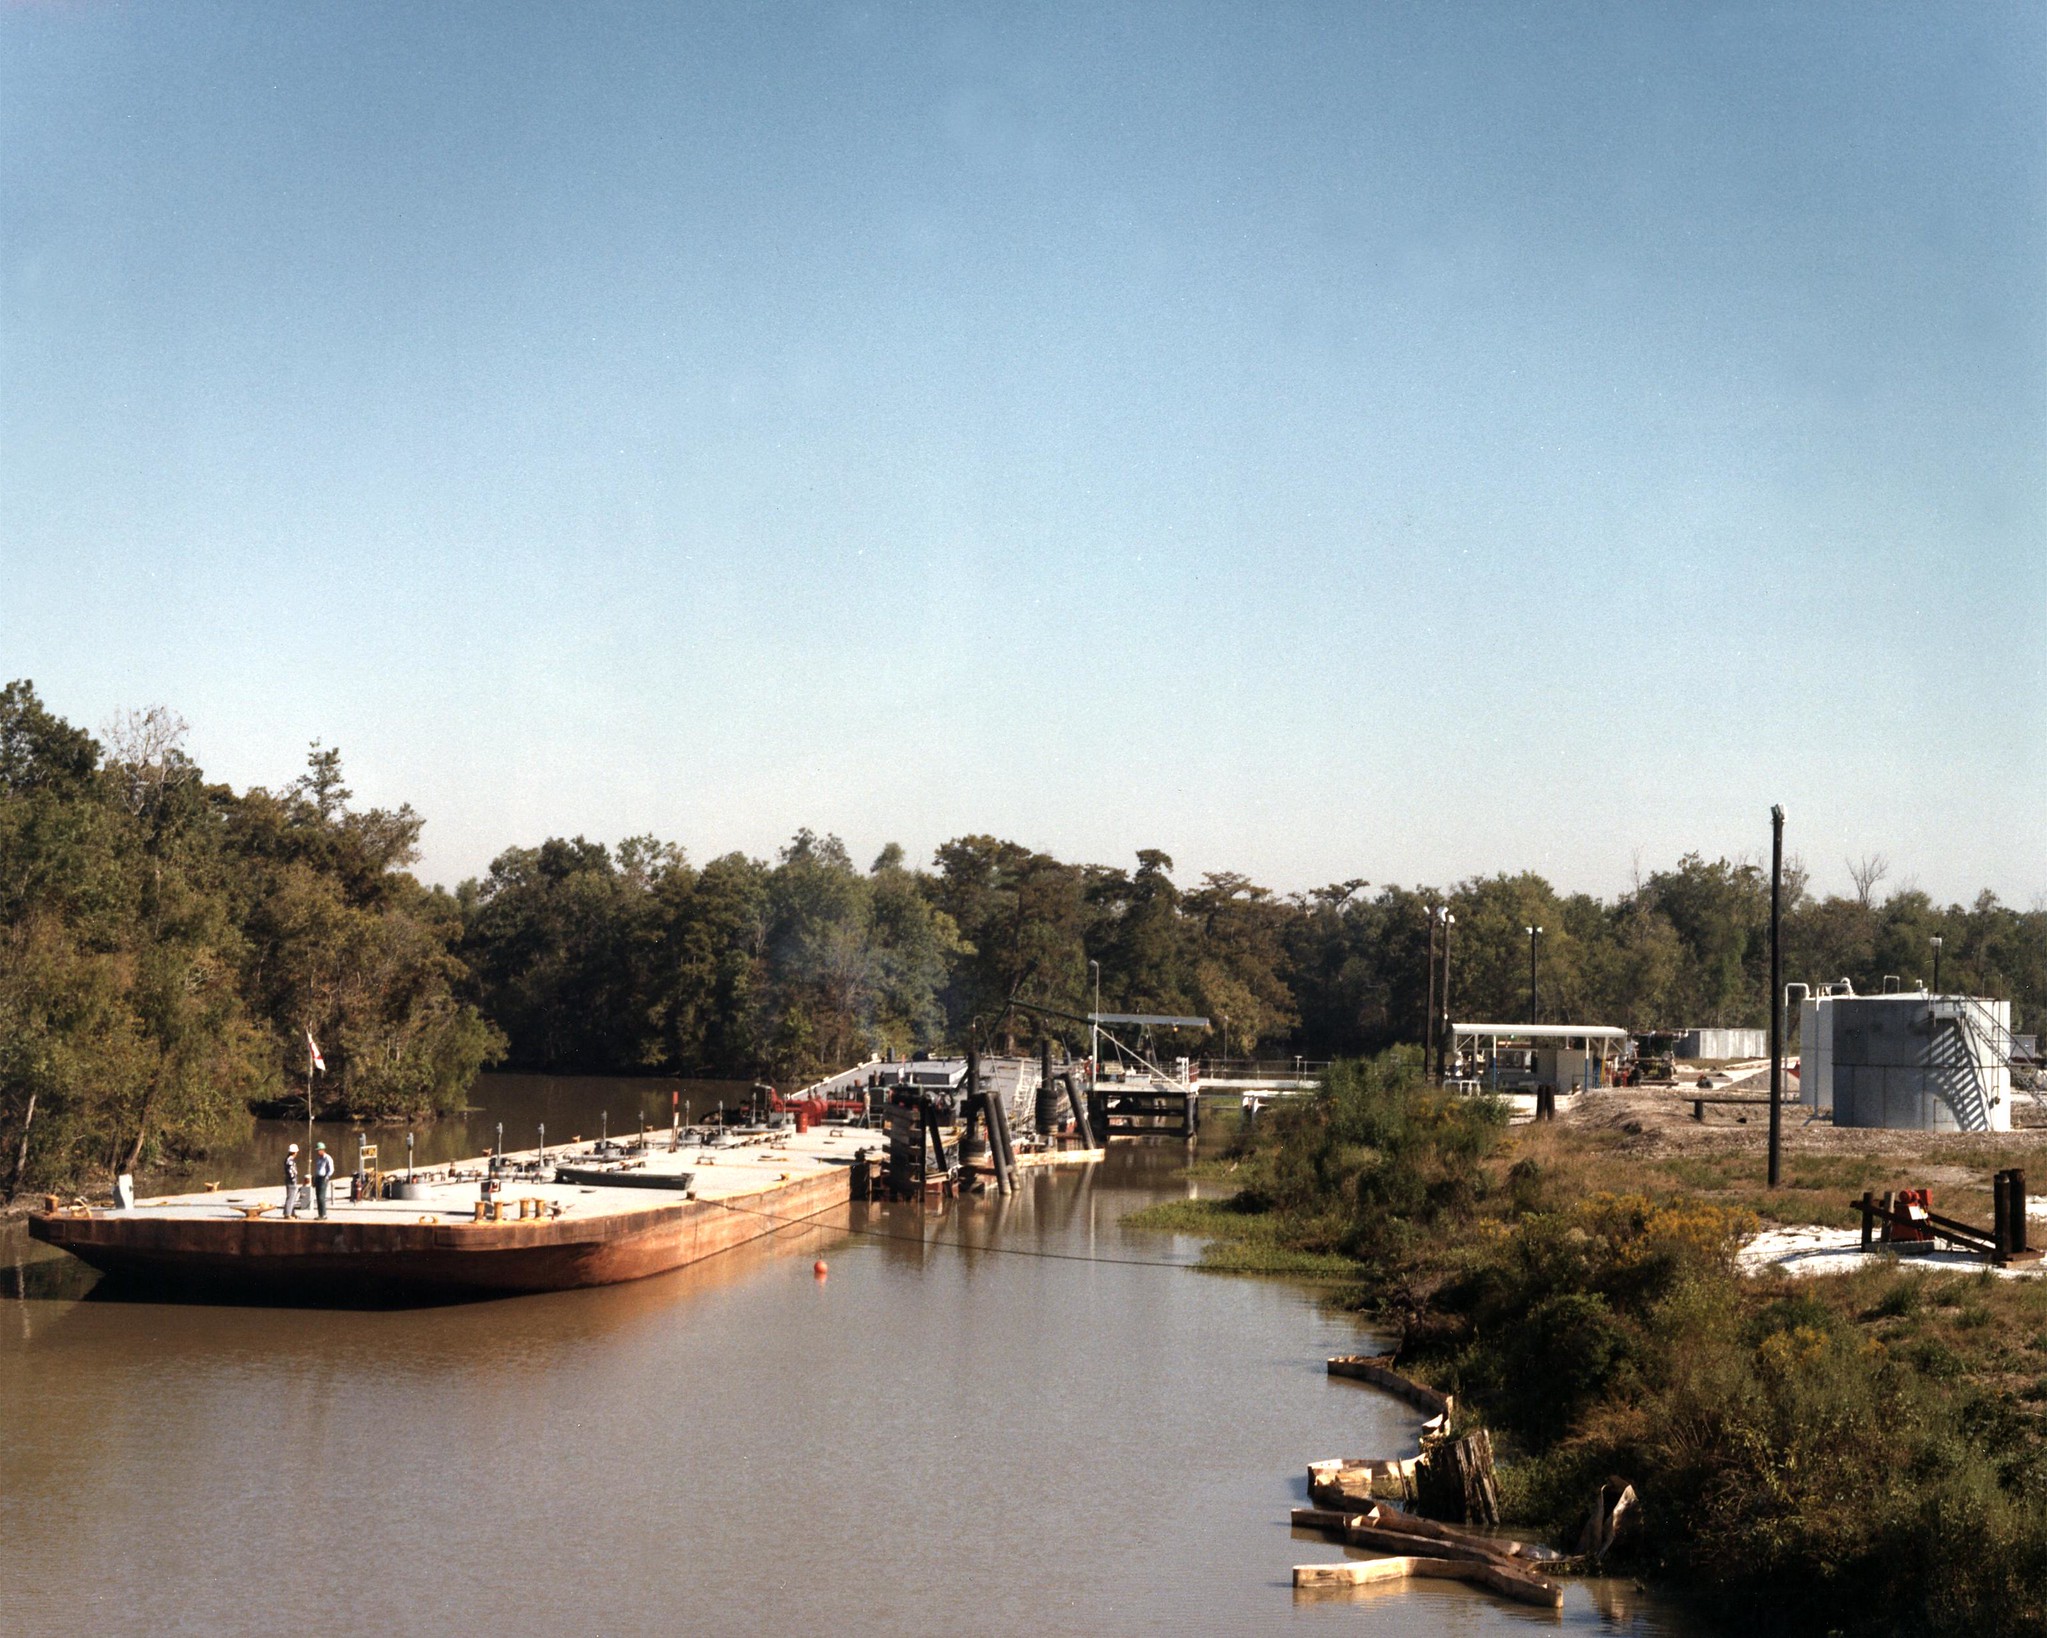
<point>1917,1062</point>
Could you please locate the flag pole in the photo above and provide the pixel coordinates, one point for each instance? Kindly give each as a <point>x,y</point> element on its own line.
<point>313,1062</point>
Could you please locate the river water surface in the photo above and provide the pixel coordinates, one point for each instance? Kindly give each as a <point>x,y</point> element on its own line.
<point>999,1418</point>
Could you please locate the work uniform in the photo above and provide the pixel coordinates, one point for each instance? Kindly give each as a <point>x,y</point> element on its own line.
<point>323,1170</point>
<point>291,1185</point>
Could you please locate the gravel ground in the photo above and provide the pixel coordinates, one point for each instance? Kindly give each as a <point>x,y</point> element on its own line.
<point>1808,1251</point>
<point>1658,1124</point>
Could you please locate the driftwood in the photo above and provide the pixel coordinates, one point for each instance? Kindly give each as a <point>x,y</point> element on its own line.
<point>1353,1572</point>
<point>1426,1531</point>
<point>1353,1481</point>
<point>1450,1479</point>
<point>1377,1369</point>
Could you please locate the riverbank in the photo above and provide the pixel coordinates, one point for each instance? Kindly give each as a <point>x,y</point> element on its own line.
<point>727,1448</point>
<point>1865,1452</point>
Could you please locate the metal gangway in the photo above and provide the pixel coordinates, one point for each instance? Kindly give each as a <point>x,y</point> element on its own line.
<point>1259,1081</point>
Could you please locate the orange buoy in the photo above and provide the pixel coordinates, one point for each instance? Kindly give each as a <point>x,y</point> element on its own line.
<point>818,1268</point>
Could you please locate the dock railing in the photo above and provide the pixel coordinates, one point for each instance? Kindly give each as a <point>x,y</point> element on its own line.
<point>1266,1075</point>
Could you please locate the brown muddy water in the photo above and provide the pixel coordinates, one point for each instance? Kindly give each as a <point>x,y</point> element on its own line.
<point>1004,1418</point>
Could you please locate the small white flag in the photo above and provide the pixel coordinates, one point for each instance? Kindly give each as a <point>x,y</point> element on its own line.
<point>319,1062</point>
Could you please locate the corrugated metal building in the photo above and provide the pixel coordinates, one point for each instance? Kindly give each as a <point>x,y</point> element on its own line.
<point>1723,1043</point>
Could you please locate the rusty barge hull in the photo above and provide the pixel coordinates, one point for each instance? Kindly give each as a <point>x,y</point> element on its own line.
<point>309,1260</point>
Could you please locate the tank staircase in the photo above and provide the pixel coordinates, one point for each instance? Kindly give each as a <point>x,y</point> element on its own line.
<point>1974,1036</point>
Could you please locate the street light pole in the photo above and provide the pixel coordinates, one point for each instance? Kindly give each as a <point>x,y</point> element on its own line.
<point>1935,941</point>
<point>1094,1029</point>
<point>1534,933</point>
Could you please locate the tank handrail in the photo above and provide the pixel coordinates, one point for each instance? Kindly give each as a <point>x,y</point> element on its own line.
<point>1972,1014</point>
<point>2002,1040</point>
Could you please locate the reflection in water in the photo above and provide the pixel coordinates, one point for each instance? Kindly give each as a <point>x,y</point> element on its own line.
<point>942,1433</point>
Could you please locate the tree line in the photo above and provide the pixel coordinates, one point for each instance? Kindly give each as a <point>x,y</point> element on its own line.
<point>167,944</point>
<point>631,958</point>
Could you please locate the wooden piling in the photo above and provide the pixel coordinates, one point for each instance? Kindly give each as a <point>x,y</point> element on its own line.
<point>1000,1143</point>
<point>1454,1480</point>
<point>936,1134</point>
<point>1083,1122</point>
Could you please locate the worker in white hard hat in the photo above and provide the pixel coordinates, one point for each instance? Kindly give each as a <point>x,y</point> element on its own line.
<point>291,1180</point>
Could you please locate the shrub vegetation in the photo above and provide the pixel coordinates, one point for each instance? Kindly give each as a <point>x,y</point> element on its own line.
<point>1862,1453</point>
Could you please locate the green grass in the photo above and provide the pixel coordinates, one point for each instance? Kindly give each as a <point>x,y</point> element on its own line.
<point>1239,1242</point>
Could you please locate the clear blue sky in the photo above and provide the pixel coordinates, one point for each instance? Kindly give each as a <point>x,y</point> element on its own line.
<point>1380,441</point>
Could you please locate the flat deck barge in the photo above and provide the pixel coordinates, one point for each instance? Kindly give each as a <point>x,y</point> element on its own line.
<point>617,1212</point>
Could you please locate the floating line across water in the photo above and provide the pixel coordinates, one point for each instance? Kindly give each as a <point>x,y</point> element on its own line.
<point>1026,1251</point>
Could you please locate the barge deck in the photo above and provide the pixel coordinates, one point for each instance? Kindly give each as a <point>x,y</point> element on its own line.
<point>663,1208</point>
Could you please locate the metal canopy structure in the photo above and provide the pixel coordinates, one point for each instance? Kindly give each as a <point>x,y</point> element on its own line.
<point>1566,1057</point>
<point>1153,1018</point>
<point>1541,1032</point>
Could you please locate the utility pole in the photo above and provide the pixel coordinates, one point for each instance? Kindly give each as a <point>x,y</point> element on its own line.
<point>1443,1038</point>
<point>1776,992</point>
<point>1429,1012</point>
<point>1936,942</point>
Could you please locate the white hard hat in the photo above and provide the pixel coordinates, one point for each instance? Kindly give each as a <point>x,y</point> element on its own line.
<point>291,1148</point>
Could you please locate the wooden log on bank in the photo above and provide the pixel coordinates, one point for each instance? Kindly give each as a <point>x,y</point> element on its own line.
<point>1334,1521</point>
<point>1449,1479</point>
<point>1515,1584</point>
<point>1378,1370</point>
<point>1360,1534</point>
<point>1353,1572</point>
<point>1353,1483</point>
